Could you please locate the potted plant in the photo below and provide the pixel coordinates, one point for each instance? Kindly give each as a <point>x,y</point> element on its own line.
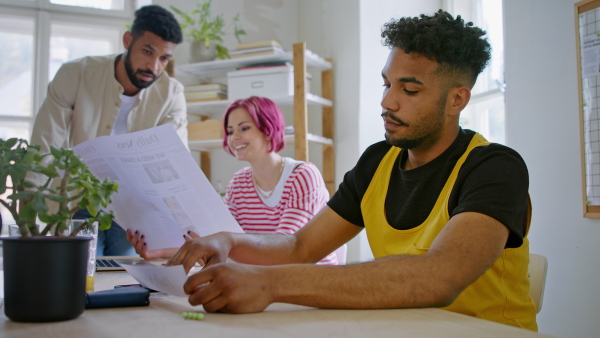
<point>50,255</point>
<point>206,32</point>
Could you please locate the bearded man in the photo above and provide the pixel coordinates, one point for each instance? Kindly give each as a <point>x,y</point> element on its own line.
<point>117,94</point>
<point>445,211</point>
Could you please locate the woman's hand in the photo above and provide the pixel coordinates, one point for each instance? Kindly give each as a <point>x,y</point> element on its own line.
<point>141,248</point>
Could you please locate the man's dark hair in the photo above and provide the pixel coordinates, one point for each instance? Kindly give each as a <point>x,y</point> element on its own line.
<point>157,20</point>
<point>458,47</point>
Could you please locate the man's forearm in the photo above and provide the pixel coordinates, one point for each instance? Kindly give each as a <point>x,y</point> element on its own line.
<point>309,244</point>
<point>261,249</point>
<point>469,244</point>
<point>393,282</point>
<point>463,251</point>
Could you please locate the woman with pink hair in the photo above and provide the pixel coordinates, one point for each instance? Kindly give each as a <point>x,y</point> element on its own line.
<point>275,194</point>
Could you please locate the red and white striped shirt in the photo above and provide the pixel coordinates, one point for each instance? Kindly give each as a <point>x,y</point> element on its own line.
<point>304,194</point>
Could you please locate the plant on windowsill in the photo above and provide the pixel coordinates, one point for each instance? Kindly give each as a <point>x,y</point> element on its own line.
<point>207,31</point>
<point>50,254</point>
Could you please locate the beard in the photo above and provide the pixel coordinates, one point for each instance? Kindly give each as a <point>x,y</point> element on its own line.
<point>131,74</point>
<point>426,131</point>
<point>405,143</point>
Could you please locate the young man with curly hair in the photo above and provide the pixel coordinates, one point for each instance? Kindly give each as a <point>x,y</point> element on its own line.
<point>116,94</point>
<point>446,212</point>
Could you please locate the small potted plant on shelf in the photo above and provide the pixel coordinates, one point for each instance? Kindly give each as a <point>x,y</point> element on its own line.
<point>206,32</point>
<point>50,256</point>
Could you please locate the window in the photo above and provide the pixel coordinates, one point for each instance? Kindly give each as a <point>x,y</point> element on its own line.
<point>69,41</point>
<point>16,75</point>
<point>100,4</point>
<point>485,111</point>
<point>37,37</point>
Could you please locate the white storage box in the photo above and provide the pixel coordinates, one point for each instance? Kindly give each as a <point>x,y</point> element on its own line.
<point>271,82</point>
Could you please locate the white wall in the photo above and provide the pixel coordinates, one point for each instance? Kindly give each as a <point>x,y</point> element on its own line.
<point>331,29</point>
<point>542,124</point>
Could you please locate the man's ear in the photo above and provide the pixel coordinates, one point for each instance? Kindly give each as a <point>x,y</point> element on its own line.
<point>458,97</point>
<point>127,39</point>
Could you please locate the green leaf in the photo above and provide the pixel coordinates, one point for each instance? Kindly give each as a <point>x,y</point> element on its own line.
<point>222,52</point>
<point>39,204</point>
<point>55,152</point>
<point>105,220</point>
<point>18,158</point>
<point>10,142</point>
<point>27,214</point>
<point>207,28</point>
<point>21,195</point>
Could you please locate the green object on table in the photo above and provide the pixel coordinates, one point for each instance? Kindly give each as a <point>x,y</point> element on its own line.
<point>193,315</point>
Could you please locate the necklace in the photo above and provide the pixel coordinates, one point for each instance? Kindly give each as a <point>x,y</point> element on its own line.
<point>257,188</point>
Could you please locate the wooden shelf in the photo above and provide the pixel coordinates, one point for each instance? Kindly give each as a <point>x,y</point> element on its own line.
<point>301,58</point>
<point>218,107</point>
<point>207,145</point>
<point>223,66</point>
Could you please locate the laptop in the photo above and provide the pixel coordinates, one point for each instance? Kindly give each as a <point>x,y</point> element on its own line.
<point>108,264</point>
<point>113,263</point>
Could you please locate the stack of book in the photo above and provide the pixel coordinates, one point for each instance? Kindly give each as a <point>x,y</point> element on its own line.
<point>266,65</point>
<point>256,48</point>
<point>205,92</point>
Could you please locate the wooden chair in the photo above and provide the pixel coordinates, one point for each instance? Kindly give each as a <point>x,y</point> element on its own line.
<point>538,266</point>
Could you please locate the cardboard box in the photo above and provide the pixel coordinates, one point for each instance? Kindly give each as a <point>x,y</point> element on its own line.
<point>271,82</point>
<point>205,130</point>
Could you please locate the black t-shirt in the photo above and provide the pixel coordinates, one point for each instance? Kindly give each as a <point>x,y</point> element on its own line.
<point>493,181</point>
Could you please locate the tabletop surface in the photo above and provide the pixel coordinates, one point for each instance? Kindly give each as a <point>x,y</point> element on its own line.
<point>162,318</point>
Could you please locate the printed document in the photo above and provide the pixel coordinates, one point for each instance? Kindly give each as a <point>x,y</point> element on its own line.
<point>167,279</point>
<point>163,194</point>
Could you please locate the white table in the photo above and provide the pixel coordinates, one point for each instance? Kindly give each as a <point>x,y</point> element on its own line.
<point>162,318</point>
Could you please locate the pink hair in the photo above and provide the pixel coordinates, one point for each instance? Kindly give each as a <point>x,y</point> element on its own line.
<point>266,116</point>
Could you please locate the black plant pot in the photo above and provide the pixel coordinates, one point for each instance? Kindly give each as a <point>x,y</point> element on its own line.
<point>44,278</point>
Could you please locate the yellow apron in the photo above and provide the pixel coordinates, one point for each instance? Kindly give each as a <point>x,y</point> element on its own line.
<point>501,294</point>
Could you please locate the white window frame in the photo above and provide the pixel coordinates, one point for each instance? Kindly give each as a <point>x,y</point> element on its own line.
<point>480,120</point>
<point>44,14</point>
<point>46,5</point>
